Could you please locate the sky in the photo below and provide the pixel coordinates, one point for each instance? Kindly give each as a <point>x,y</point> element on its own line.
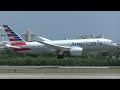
<point>64,24</point>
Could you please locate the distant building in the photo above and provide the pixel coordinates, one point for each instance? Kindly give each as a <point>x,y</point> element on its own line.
<point>100,36</point>
<point>66,38</point>
<point>2,34</point>
<point>81,37</point>
<point>28,36</point>
<point>86,36</point>
<point>90,36</point>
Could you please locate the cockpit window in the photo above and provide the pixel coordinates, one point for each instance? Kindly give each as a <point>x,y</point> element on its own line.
<point>112,42</point>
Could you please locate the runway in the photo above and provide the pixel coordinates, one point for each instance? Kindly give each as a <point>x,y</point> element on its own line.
<point>59,72</point>
<point>57,76</point>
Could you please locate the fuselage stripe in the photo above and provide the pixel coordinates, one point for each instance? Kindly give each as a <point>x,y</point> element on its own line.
<point>22,49</point>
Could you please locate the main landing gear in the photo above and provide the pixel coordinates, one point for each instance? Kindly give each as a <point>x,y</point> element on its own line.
<point>62,54</point>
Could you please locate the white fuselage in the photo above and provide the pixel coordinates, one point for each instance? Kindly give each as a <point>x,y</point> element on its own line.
<point>74,47</point>
<point>97,44</point>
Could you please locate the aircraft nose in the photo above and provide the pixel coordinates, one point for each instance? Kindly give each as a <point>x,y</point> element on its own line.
<point>115,45</point>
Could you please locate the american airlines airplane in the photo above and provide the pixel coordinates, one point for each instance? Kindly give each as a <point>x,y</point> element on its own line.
<point>73,47</point>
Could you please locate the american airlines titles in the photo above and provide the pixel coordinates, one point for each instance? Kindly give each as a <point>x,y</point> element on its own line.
<point>86,44</point>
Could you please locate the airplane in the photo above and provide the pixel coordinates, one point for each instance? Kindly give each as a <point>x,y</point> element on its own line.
<point>73,47</point>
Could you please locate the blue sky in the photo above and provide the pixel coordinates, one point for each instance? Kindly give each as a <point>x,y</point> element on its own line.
<point>64,24</point>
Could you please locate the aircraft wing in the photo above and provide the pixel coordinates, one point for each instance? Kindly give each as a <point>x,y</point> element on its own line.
<point>9,46</point>
<point>44,39</point>
<point>56,47</point>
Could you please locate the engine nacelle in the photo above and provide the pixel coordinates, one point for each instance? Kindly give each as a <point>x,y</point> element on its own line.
<point>76,51</point>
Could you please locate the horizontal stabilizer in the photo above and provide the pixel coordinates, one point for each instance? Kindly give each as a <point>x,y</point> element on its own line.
<point>10,46</point>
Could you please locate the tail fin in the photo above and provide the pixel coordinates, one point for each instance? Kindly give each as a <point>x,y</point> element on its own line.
<point>14,38</point>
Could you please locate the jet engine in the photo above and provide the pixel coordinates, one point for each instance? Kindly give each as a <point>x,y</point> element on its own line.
<point>75,51</point>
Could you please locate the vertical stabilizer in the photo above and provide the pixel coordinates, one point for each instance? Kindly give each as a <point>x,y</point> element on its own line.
<point>13,37</point>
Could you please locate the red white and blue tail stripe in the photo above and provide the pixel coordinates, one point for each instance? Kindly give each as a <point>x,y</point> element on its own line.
<point>14,38</point>
<point>17,43</point>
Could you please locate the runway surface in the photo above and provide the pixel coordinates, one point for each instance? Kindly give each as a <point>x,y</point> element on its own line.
<point>59,72</point>
<point>57,76</point>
